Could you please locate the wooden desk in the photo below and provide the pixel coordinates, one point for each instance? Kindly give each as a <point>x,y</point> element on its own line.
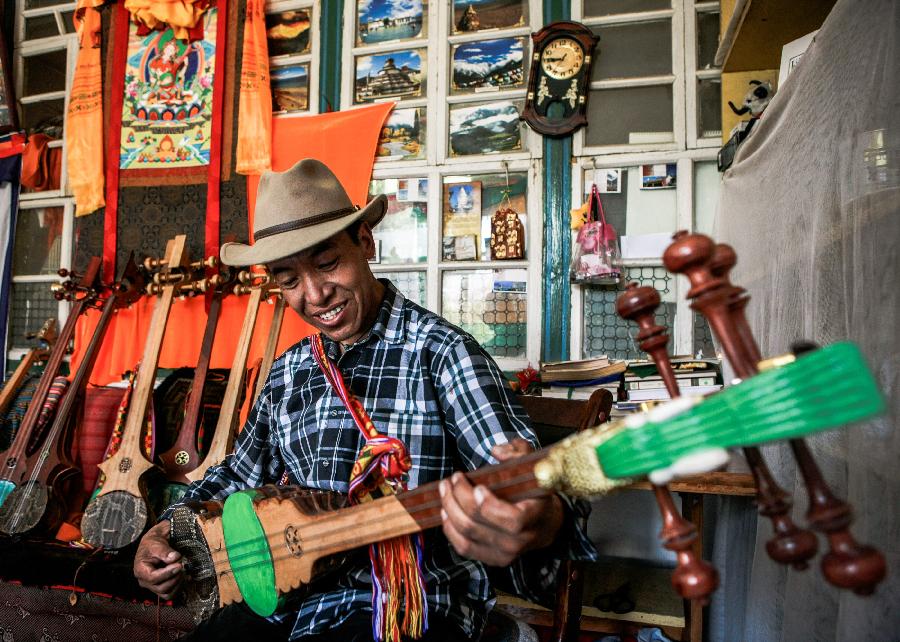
<point>679,619</point>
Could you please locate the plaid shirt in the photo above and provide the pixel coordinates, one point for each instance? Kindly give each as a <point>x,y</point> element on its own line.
<point>432,386</point>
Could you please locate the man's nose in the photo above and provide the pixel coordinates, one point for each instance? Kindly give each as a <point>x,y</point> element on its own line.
<point>316,290</point>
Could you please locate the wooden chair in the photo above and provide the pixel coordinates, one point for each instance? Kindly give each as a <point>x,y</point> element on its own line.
<point>554,419</point>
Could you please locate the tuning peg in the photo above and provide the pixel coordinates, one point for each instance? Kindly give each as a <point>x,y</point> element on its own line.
<point>152,263</point>
<point>209,262</point>
<point>242,289</point>
<point>63,272</point>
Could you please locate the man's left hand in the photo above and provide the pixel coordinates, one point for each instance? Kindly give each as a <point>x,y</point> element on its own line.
<point>483,527</point>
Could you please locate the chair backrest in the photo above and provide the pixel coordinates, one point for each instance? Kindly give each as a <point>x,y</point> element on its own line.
<point>554,418</point>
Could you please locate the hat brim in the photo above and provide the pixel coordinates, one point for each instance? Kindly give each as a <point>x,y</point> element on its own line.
<point>279,246</point>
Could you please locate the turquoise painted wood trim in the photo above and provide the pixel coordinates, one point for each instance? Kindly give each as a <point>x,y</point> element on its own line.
<point>330,34</point>
<point>557,243</point>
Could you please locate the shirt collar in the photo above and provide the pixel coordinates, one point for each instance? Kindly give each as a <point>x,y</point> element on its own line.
<point>388,325</point>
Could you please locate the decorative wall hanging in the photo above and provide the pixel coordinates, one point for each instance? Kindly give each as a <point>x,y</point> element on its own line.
<point>84,116</point>
<point>184,16</point>
<point>254,145</point>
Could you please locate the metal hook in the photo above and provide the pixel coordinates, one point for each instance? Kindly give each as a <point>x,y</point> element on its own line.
<point>506,193</point>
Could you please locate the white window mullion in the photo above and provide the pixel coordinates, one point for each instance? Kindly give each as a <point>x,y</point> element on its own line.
<point>682,342</point>
<point>678,87</point>
<point>435,225</point>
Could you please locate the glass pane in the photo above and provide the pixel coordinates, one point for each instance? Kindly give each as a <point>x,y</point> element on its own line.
<point>605,332</point>
<point>287,32</point>
<point>41,27</point>
<point>402,237</point>
<point>706,196</point>
<point>44,72</point>
<point>403,135</point>
<point>707,39</point>
<point>491,306</point>
<point>386,20</point>
<point>410,284</point>
<point>397,74</point>
<point>610,7</point>
<point>632,116</point>
<point>636,200</point>
<point>476,15</point>
<point>703,341</point>
<point>68,21</point>
<point>31,305</point>
<point>709,117</point>
<point>290,87</point>
<point>46,115</point>
<point>488,65</point>
<point>38,4</point>
<point>474,206</point>
<point>485,128</point>
<point>38,241</point>
<point>634,50</point>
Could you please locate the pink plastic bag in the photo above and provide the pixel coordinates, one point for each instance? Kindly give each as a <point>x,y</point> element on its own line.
<point>596,256</point>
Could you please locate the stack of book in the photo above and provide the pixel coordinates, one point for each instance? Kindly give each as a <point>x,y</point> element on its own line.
<point>579,379</point>
<point>694,376</point>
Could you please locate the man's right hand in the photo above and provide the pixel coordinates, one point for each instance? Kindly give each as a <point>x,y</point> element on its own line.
<point>157,566</point>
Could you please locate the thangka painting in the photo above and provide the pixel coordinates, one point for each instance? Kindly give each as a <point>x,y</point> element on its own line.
<point>167,108</point>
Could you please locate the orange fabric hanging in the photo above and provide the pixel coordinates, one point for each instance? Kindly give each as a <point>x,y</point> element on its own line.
<point>254,145</point>
<point>124,342</point>
<point>84,127</point>
<point>182,15</point>
<point>344,140</point>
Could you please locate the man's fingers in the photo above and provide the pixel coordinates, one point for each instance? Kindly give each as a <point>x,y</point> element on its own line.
<point>515,448</point>
<point>158,576</point>
<point>497,513</point>
<point>494,554</point>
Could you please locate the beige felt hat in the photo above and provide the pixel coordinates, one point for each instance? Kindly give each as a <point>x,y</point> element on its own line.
<point>297,209</point>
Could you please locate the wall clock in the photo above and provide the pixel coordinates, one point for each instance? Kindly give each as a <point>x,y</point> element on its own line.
<point>556,102</point>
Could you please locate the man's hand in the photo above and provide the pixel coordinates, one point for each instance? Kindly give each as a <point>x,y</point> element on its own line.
<point>157,566</point>
<point>484,527</point>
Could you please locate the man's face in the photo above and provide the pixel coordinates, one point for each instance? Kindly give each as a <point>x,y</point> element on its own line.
<point>331,286</point>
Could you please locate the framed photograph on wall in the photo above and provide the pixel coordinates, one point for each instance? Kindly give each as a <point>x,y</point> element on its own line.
<point>396,74</point>
<point>658,176</point>
<point>485,128</point>
<point>9,120</point>
<point>388,20</point>
<point>608,181</point>
<point>290,87</point>
<point>477,15</point>
<point>488,65</point>
<point>403,135</point>
<point>287,32</point>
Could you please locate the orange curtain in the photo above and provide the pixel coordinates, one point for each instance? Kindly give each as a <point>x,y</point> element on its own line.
<point>123,345</point>
<point>182,15</point>
<point>344,140</point>
<point>84,126</point>
<point>254,146</point>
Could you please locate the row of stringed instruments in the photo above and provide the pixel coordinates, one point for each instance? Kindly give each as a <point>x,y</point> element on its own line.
<point>38,474</point>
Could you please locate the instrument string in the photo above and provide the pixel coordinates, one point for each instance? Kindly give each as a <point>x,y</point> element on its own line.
<point>232,558</point>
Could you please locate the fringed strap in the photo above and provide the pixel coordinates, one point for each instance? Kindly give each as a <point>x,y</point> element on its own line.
<point>380,469</point>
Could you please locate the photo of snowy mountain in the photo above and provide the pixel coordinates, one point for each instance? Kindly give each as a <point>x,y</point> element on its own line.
<point>489,63</point>
<point>485,128</point>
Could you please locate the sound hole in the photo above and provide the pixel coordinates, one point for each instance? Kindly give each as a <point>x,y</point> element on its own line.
<point>114,520</point>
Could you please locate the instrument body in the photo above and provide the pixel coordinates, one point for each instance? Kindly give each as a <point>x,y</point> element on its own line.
<point>39,498</point>
<point>14,465</point>
<point>118,514</point>
<point>289,543</point>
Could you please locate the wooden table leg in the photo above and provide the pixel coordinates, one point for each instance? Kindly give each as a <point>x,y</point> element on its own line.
<point>692,510</point>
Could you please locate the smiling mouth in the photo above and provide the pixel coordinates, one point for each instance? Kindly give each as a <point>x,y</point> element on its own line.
<point>332,313</point>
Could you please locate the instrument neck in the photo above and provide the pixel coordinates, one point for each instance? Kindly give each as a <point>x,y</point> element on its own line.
<point>195,398</point>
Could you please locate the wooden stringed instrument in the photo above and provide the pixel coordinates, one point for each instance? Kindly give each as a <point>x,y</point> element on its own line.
<point>184,455</point>
<point>271,345</point>
<point>226,426</point>
<point>261,544</point>
<point>36,355</point>
<point>83,292</point>
<point>38,500</point>
<point>118,514</point>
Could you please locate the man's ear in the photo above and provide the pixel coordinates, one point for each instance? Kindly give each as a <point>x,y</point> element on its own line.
<point>366,240</point>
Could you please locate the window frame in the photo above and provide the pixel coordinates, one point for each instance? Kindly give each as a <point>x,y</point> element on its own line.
<point>313,58</point>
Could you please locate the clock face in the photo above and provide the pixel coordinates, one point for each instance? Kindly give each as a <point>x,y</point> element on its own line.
<point>562,58</point>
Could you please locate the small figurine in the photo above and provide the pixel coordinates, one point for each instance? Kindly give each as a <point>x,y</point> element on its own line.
<point>755,102</point>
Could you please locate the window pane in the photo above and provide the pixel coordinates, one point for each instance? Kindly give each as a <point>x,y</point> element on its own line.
<point>474,206</point>
<point>44,73</point>
<point>41,27</point>
<point>609,7</point>
<point>709,101</point>
<point>38,4</point>
<point>396,74</point>
<point>403,135</point>
<point>287,32</point>
<point>475,15</point>
<point>706,196</point>
<point>31,305</point>
<point>38,241</point>
<point>46,113</point>
<point>381,21</point>
<point>703,341</point>
<point>707,39</point>
<point>645,202</point>
<point>636,115</point>
<point>605,332</point>
<point>402,237</point>
<point>491,306</point>
<point>410,284</point>
<point>485,128</point>
<point>290,87</point>
<point>634,50</point>
<point>68,22</point>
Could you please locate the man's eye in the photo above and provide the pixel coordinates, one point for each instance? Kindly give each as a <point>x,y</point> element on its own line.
<point>328,265</point>
<point>288,284</point>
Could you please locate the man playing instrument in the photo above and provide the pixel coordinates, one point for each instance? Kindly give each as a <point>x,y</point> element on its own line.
<point>422,380</point>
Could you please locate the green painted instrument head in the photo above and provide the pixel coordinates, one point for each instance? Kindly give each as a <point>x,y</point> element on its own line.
<point>249,554</point>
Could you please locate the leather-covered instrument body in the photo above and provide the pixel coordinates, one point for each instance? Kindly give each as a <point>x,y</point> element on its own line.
<point>83,292</point>
<point>118,514</point>
<point>39,498</point>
